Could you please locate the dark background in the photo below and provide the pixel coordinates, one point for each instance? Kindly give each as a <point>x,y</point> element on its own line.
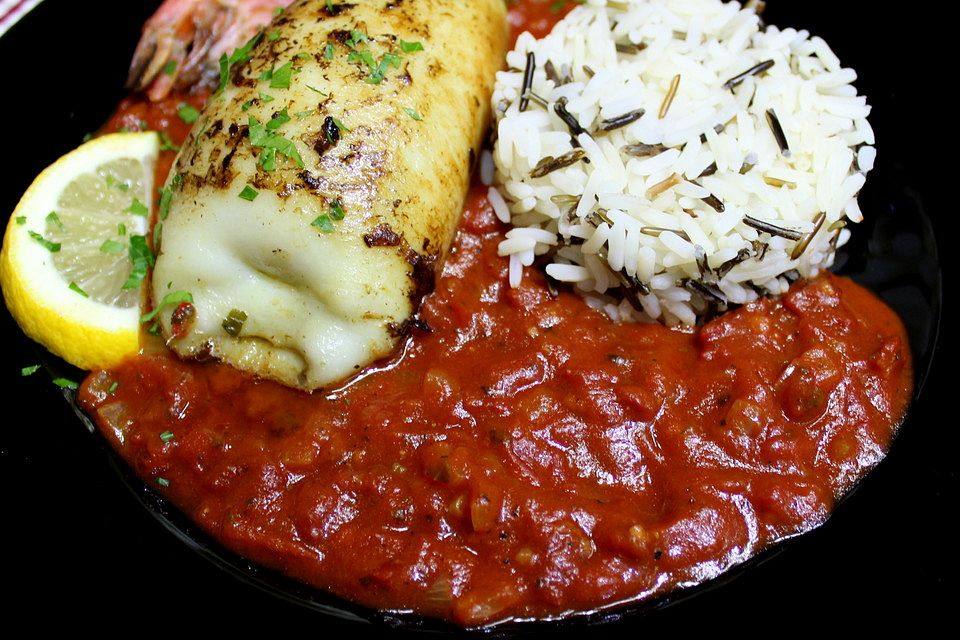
<point>78,546</point>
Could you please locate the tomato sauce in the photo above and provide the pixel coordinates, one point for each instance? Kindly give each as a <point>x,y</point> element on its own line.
<point>524,456</point>
<point>536,16</point>
<point>527,456</point>
<point>137,113</point>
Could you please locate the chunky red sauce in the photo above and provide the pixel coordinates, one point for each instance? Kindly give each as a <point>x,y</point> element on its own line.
<point>536,16</point>
<point>526,457</point>
<point>136,113</point>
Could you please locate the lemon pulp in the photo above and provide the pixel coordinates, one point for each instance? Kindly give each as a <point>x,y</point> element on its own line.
<point>92,211</point>
<point>66,261</point>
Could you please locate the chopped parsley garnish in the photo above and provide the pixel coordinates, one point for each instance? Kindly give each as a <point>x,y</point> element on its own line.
<point>21,219</point>
<point>249,103</point>
<point>277,11</point>
<point>163,482</point>
<point>166,195</point>
<point>303,114</point>
<point>365,56</point>
<point>233,323</point>
<point>413,113</point>
<point>65,383</point>
<point>266,97</point>
<point>73,286</point>
<point>188,113</point>
<point>278,120</point>
<point>268,159</point>
<point>111,246</point>
<point>53,218</point>
<point>167,436</point>
<point>154,329</point>
<point>340,125</point>
<point>249,193</point>
<point>330,9</point>
<point>378,68</point>
<point>324,223</point>
<point>157,234</point>
<point>113,387</point>
<point>315,90</point>
<point>328,51</point>
<point>239,56</point>
<point>303,55</point>
<point>266,74</point>
<point>137,208</point>
<point>121,229</point>
<point>356,37</point>
<point>119,184</point>
<point>29,371</point>
<point>272,143</point>
<point>273,36</point>
<point>170,68</point>
<point>177,297</point>
<point>52,247</point>
<point>336,210</point>
<point>281,77</point>
<point>142,259</point>
<point>166,144</point>
<point>388,60</point>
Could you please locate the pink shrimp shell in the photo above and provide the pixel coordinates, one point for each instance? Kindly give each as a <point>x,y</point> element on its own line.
<point>193,35</point>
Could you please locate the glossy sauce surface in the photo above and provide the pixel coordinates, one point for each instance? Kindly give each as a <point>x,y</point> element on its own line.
<point>525,456</point>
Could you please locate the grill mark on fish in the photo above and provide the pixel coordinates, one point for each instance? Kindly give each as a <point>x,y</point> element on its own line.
<point>382,236</point>
<point>214,129</point>
<point>423,275</point>
<point>333,10</point>
<point>329,136</point>
<point>402,329</point>
<point>339,35</point>
<point>309,180</point>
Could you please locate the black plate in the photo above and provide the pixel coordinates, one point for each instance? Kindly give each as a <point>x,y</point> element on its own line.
<point>77,542</point>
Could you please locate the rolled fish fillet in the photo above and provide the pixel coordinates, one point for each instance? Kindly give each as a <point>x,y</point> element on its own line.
<point>322,184</point>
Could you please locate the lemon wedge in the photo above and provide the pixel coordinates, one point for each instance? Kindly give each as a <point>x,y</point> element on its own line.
<point>75,252</point>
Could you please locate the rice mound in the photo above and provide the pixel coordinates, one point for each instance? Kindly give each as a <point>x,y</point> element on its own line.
<point>688,157</point>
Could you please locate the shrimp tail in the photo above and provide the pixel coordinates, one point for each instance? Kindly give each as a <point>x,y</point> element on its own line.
<point>182,42</point>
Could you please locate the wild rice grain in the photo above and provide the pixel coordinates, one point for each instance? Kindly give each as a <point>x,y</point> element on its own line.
<point>680,192</point>
<point>668,99</point>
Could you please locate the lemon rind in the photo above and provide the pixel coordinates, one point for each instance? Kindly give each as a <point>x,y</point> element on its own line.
<point>84,332</point>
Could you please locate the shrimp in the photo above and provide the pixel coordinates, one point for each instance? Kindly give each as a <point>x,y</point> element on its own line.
<point>183,41</point>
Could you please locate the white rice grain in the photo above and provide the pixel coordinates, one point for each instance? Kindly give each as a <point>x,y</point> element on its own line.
<point>675,212</point>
